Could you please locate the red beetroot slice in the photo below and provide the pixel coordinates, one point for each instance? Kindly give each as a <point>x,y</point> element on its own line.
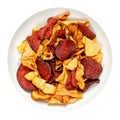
<point>92,69</point>
<point>71,82</point>
<point>34,42</point>
<point>24,83</point>
<point>68,84</point>
<point>64,49</point>
<point>46,31</point>
<point>41,33</point>
<point>51,48</point>
<point>86,31</point>
<point>55,73</point>
<point>44,69</point>
<point>51,22</point>
<point>60,34</point>
<point>74,82</point>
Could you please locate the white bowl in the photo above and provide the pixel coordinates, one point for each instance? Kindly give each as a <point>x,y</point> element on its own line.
<point>40,19</point>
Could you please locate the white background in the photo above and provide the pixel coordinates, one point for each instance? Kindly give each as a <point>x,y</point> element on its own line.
<point>106,105</point>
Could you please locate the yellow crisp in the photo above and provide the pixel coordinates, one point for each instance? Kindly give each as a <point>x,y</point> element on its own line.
<point>49,88</point>
<point>98,57</point>
<point>71,65</point>
<point>36,95</point>
<point>31,75</point>
<point>62,77</point>
<point>53,100</point>
<point>38,82</point>
<point>79,76</point>
<point>47,55</point>
<point>35,29</point>
<point>67,22</point>
<point>21,48</point>
<point>28,58</point>
<point>91,48</point>
<point>63,91</point>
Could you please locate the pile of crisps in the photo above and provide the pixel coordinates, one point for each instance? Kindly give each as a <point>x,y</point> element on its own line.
<point>56,93</point>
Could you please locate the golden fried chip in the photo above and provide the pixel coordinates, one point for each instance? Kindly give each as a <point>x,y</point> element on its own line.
<point>29,62</point>
<point>59,99</point>
<point>71,38</point>
<point>91,48</point>
<point>55,28</point>
<point>58,62</point>
<point>67,22</point>
<point>47,55</point>
<point>42,85</point>
<point>53,100</point>
<point>43,52</point>
<point>67,33</point>
<point>79,75</point>
<point>45,42</point>
<point>79,52</point>
<point>28,58</point>
<point>98,57</point>
<point>36,95</point>
<point>62,77</point>
<point>65,99</point>
<point>21,48</point>
<point>81,83</point>
<point>38,82</point>
<point>80,44</point>
<point>49,88</point>
<point>79,70</point>
<point>77,34</point>
<point>28,52</point>
<point>31,75</point>
<point>62,100</point>
<point>72,28</point>
<point>71,65</point>
<point>57,41</point>
<point>35,29</point>
<point>72,100</point>
<point>67,61</point>
<point>40,50</point>
<point>63,91</point>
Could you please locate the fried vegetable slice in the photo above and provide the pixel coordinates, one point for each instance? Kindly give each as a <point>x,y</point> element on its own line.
<point>79,76</point>
<point>92,69</point>
<point>28,58</point>
<point>24,83</point>
<point>37,95</point>
<point>44,69</point>
<point>63,91</point>
<point>91,48</point>
<point>21,48</point>
<point>64,49</point>
<point>71,65</point>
